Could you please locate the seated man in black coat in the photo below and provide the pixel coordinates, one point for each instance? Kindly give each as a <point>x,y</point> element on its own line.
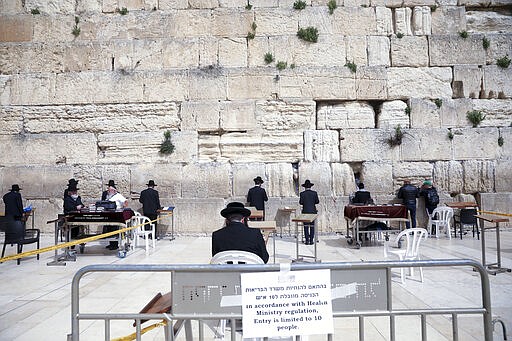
<point>236,235</point>
<point>362,196</point>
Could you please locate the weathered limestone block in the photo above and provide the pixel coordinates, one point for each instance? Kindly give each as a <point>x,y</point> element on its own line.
<point>488,21</point>
<point>11,7</point>
<point>233,23</point>
<point>499,45</point>
<point>505,152</point>
<point>5,90</point>
<point>452,50</point>
<point>355,3</point>
<point>497,202</point>
<point>17,28</point>
<point>168,177</point>
<point>265,3</point>
<point>200,115</point>
<point>48,149</point>
<point>422,20</point>
<point>167,5</point>
<point>285,114</point>
<point>275,22</point>
<point>196,23</point>
<point>498,112</point>
<point>140,55</point>
<point>426,145</point>
<point>267,147</point>
<point>179,53</point>
<point>316,16</point>
<point>453,112</point>
<point>92,118</point>
<point>335,83</point>
<point>280,180</point>
<point>52,7</point>
<point>319,173</point>
<point>345,115</point>
<point>243,175</point>
<point>12,120</point>
<point>448,20</point>
<point>209,148</point>
<point>478,176</point>
<point>409,51</point>
<point>251,84</point>
<point>357,145</point>
<point>201,4</point>
<point>356,50</point>
<point>386,3</point>
<point>497,82</point>
<point>405,82</point>
<point>354,21</point>
<point>378,51</point>
<point>465,146</point>
<point>384,20</point>
<point>233,52</point>
<point>412,170</point>
<point>207,83</point>
<point>256,50</point>
<point>503,175</point>
<point>208,51</point>
<point>185,147</point>
<point>392,114</point>
<point>403,21</point>
<point>89,6</point>
<point>171,85</point>
<point>187,220</point>
<point>467,81</point>
<point>377,177</point>
<point>238,116</point>
<point>321,146</point>
<point>414,3</point>
<point>206,180</point>
<point>371,83</point>
<point>27,89</point>
<point>332,219</point>
<point>446,3</point>
<point>342,179</point>
<point>424,113</point>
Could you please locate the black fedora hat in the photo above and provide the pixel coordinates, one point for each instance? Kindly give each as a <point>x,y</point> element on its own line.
<point>151,183</point>
<point>72,188</point>
<point>72,181</point>
<point>111,183</point>
<point>15,188</point>
<point>307,184</point>
<point>235,207</point>
<point>258,180</point>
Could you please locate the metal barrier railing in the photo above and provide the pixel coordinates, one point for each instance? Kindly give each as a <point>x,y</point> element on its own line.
<point>225,271</point>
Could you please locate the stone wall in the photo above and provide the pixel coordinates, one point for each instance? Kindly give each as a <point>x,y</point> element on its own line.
<point>95,105</point>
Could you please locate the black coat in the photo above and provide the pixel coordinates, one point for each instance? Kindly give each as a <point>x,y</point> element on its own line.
<point>237,236</point>
<point>408,193</point>
<point>150,201</point>
<point>256,197</point>
<point>70,204</point>
<point>13,205</point>
<point>308,200</point>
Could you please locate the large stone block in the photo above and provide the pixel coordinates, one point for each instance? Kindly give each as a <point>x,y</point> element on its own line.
<point>251,84</point>
<point>206,180</point>
<point>243,175</point>
<point>179,53</point>
<point>207,83</point>
<point>11,7</point>
<point>168,5</point>
<point>377,177</point>
<point>498,113</point>
<point>467,81</point>
<point>167,176</point>
<point>448,20</point>
<point>356,50</point>
<point>392,114</point>
<point>403,21</point>
<point>426,145</point>
<point>27,89</point>
<point>378,51</point>
<point>208,51</point>
<point>503,175</point>
<point>321,146</point>
<point>233,52</point>
<point>233,23</point>
<point>317,16</point>
<point>384,20</point>
<point>275,22</point>
<point>209,148</point>
<point>201,4</point>
<point>478,176</point>
<point>12,120</point>
<point>345,115</point>
<point>465,146</point>
<point>409,51</point>
<point>371,83</point>
<point>187,220</point>
<point>505,152</point>
<point>5,90</point>
<point>453,112</point>
<point>497,82</point>
<point>169,86</point>
<point>342,179</point>
<point>500,44</point>
<point>412,170</point>
<point>447,50</point>
<point>319,173</point>
<point>281,181</point>
<point>430,82</point>
<point>424,113</point>
<point>48,149</point>
<point>285,114</point>
<point>200,115</point>
<point>239,116</point>
<point>193,23</point>
<point>354,21</point>
<point>422,20</point>
<point>267,147</point>
<point>52,7</point>
<point>488,21</point>
<point>16,28</point>
<point>358,145</point>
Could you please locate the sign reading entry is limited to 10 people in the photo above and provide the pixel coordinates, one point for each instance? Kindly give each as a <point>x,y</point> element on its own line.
<point>286,303</point>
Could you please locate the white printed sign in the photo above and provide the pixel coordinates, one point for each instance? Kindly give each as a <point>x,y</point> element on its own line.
<point>293,303</point>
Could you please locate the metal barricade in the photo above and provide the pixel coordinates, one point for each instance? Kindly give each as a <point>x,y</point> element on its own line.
<point>376,273</point>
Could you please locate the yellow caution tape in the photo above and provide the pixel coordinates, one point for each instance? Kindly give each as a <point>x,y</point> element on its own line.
<point>144,330</point>
<point>76,242</point>
<point>496,213</point>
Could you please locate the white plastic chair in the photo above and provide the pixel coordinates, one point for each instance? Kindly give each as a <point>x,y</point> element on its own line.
<point>141,231</point>
<point>441,218</point>
<point>413,239</point>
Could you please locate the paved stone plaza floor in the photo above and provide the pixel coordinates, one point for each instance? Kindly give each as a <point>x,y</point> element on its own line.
<point>35,298</point>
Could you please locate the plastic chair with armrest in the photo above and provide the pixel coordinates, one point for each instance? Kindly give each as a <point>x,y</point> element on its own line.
<point>141,231</point>
<point>15,233</point>
<point>441,218</point>
<point>413,239</point>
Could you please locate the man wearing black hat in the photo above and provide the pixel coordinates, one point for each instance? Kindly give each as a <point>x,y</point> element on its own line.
<point>150,201</point>
<point>71,182</point>
<point>72,202</point>
<point>308,200</point>
<point>13,203</point>
<point>236,235</point>
<point>257,195</point>
<point>111,194</point>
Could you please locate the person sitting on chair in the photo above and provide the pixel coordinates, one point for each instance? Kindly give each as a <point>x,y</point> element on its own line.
<point>121,202</point>
<point>13,204</point>
<point>362,196</point>
<point>236,235</point>
<point>73,203</point>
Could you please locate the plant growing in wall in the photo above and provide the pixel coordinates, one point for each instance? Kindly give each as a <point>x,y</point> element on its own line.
<point>35,11</point>
<point>396,138</point>
<point>299,4</point>
<point>463,34</point>
<point>167,147</point>
<point>281,65</point>
<point>450,134</point>
<point>123,11</point>
<point>292,66</point>
<point>399,35</point>
<point>503,62</point>
<point>76,29</point>
<point>308,34</point>
<point>332,6</point>
<point>438,102</point>
<point>501,141</point>
<point>408,110</point>
<point>475,117</point>
<point>433,8</point>
<point>248,6</point>
<point>269,58</point>
<point>486,43</point>
<point>252,34</point>
<point>351,66</point>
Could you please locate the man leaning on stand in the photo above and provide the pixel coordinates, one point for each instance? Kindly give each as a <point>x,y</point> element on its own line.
<point>150,201</point>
